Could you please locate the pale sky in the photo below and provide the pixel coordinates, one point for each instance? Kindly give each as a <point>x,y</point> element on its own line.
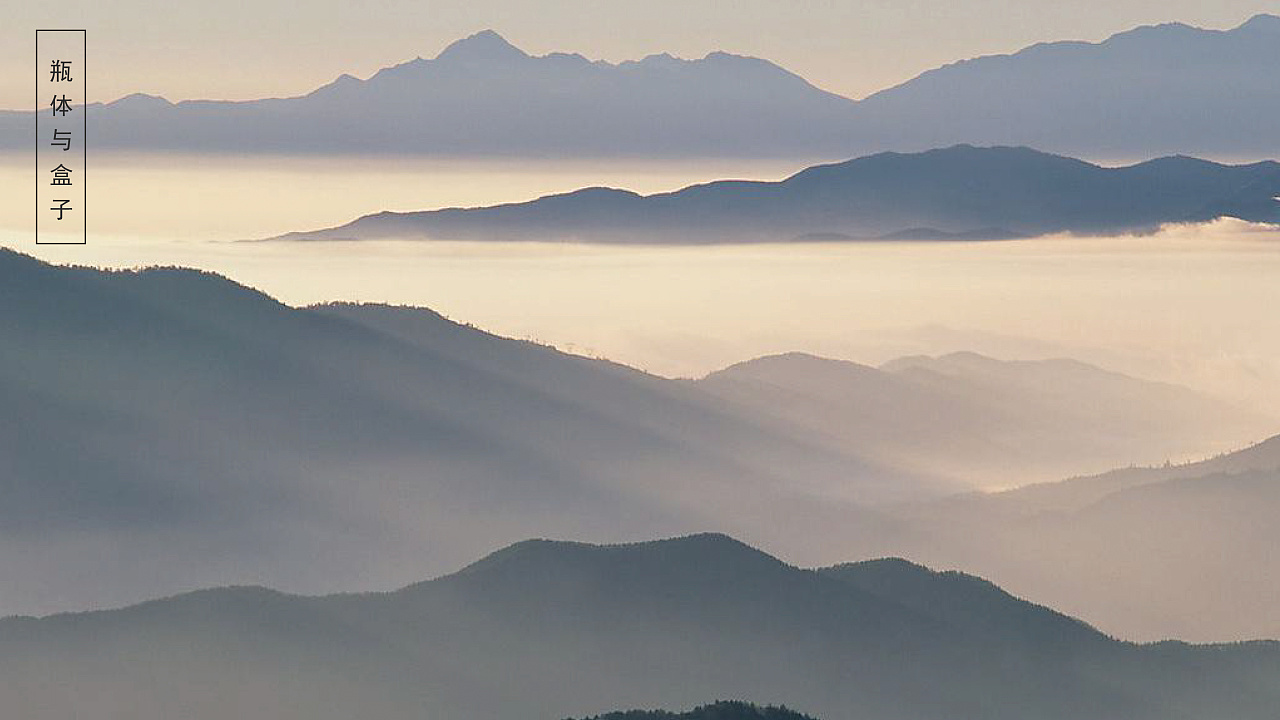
<point>244,49</point>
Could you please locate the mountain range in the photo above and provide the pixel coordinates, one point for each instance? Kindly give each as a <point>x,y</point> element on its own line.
<point>164,428</point>
<point>1151,91</point>
<point>967,416</point>
<point>168,429</point>
<point>962,192</point>
<point>546,629</point>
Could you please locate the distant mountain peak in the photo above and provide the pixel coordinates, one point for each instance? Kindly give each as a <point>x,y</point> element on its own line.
<point>549,557</point>
<point>140,100</point>
<point>714,541</point>
<point>1262,21</point>
<point>341,83</point>
<point>786,362</point>
<point>968,356</point>
<point>1170,26</point>
<point>959,359</point>
<point>888,564</point>
<point>662,57</point>
<point>485,45</point>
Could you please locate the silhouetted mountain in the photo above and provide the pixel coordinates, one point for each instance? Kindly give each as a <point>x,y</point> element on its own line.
<point>1147,92</point>
<point>1154,90</point>
<point>990,422</point>
<point>482,96</point>
<point>723,710</point>
<point>1079,492</point>
<point>955,597</point>
<point>168,428</point>
<point>1147,552</point>
<point>960,192</point>
<point>550,630</point>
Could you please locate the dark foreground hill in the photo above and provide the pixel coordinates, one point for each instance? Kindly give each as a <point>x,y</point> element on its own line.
<point>550,630</point>
<point>961,192</point>
<point>723,710</point>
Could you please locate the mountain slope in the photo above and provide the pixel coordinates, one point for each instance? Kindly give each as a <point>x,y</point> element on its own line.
<point>549,630</point>
<point>1150,553</point>
<point>1080,492</point>
<point>961,191</point>
<point>168,429</point>
<point>992,422</point>
<point>1150,91</point>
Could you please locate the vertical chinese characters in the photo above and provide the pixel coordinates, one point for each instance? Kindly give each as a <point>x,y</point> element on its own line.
<point>61,73</point>
<point>61,129</point>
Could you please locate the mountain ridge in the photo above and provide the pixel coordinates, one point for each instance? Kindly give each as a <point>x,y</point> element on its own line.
<point>1164,540</point>
<point>226,438</point>
<point>954,192</point>
<point>1158,90</point>
<point>886,638</point>
<point>968,415</point>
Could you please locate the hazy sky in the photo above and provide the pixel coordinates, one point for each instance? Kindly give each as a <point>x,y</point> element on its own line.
<point>238,49</point>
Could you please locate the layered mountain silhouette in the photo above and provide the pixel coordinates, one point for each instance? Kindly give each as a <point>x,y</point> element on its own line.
<point>1154,90</point>
<point>168,429</point>
<point>1080,492</point>
<point>482,96</point>
<point>548,629</point>
<point>961,192</point>
<point>1176,550</point>
<point>1151,91</point>
<point>969,416</point>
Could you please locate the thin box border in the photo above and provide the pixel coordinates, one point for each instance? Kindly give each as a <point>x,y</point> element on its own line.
<point>84,214</point>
